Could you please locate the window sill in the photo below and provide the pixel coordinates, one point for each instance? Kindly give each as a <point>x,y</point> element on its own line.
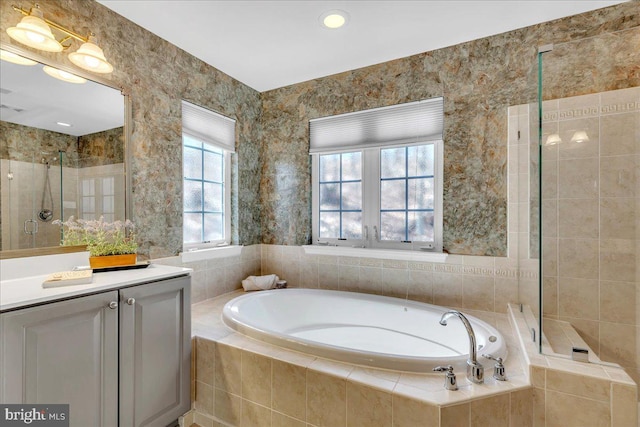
<point>438,257</point>
<point>211,253</point>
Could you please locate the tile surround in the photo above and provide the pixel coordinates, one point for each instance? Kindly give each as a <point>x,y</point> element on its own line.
<point>336,394</point>
<point>312,391</point>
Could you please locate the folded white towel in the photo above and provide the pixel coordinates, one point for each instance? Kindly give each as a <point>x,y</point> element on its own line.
<point>260,283</point>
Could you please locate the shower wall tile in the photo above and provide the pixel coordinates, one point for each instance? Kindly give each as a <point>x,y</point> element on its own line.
<point>578,218</point>
<point>589,331</point>
<point>550,296</point>
<point>595,257</point>
<point>620,134</point>
<point>618,302</point>
<point>550,256</point>
<point>550,182</point>
<point>578,298</point>
<point>578,258</point>
<point>620,176</point>
<point>618,218</point>
<point>570,148</point>
<point>618,260</point>
<point>578,179</point>
<point>618,343</point>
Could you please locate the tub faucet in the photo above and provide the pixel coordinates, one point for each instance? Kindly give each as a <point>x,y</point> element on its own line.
<point>475,370</point>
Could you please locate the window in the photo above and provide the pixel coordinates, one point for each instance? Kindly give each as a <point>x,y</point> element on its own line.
<point>97,198</point>
<point>207,140</point>
<point>382,191</point>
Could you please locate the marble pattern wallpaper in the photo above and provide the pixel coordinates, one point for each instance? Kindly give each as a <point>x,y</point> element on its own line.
<point>479,80</point>
<point>28,144</point>
<point>271,174</point>
<point>101,148</point>
<point>158,75</point>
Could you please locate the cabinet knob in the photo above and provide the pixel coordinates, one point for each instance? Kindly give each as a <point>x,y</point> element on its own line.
<point>131,301</point>
<point>113,305</point>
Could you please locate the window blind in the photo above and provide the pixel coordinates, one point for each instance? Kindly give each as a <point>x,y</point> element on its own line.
<point>209,126</point>
<point>394,125</point>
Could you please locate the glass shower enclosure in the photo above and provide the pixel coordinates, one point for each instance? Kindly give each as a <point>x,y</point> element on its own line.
<point>584,181</point>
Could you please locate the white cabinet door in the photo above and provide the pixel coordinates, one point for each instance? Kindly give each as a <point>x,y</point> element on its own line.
<point>155,352</point>
<point>64,352</point>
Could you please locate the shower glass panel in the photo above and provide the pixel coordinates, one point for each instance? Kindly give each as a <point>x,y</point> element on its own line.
<point>522,209</point>
<point>589,198</point>
<point>31,200</point>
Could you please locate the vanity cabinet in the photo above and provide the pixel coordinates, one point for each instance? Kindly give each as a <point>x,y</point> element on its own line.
<point>118,358</point>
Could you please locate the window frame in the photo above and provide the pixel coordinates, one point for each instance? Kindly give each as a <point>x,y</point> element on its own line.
<point>226,188</point>
<point>371,200</point>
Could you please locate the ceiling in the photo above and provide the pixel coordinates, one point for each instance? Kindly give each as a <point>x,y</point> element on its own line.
<point>270,44</point>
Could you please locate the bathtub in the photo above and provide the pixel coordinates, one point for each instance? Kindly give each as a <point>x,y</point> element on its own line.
<point>363,329</point>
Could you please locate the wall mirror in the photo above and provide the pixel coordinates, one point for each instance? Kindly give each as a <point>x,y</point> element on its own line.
<point>63,151</point>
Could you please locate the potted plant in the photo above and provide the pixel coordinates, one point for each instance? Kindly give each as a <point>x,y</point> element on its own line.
<point>109,243</point>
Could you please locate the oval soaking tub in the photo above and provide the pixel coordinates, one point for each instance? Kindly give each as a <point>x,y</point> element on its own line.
<point>364,329</point>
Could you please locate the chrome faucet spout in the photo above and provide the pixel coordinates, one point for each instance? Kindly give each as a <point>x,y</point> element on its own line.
<point>475,370</point>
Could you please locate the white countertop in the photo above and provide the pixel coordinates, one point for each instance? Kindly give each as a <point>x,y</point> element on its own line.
<point>25,291</point>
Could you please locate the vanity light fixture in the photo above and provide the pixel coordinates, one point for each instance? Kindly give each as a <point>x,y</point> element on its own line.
<point>5,55</point>
<point>553,139</point>
<point>580,136</point>
<point>63,75</point>
<point>334,19</point>
<point>90,57</point>
<point>35,31</point>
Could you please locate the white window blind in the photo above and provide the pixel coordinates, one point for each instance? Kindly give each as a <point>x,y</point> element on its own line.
<point>208,126</point>
<point>394,125</point>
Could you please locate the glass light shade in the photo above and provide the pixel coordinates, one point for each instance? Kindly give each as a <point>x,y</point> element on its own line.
<point>34,32</point>
<point>63,75</point>
<point>90,57</point>
<point>5,55</point>
<point>580,136</point>
<point>553,139</point>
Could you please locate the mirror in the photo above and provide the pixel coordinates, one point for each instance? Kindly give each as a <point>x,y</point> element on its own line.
<point>62,154</point>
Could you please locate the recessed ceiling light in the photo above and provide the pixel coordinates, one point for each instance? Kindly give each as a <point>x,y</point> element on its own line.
<point>334,19</point>
<point>63,124</point>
